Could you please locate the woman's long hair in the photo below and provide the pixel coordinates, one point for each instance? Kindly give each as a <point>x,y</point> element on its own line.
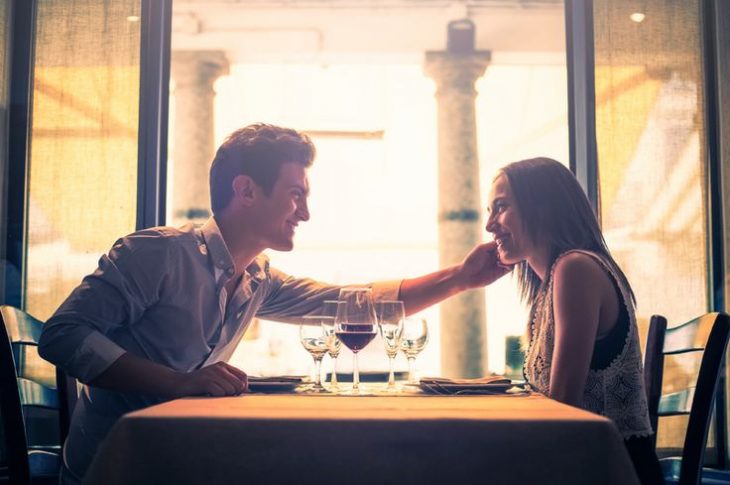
<point>555,211</point>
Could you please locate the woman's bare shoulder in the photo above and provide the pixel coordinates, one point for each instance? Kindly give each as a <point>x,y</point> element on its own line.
<point>576,269</point>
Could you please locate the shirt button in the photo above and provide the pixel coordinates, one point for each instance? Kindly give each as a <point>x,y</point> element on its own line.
<point>230,271</point>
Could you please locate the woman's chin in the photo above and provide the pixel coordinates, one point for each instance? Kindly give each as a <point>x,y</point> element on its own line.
<point>506,259</point>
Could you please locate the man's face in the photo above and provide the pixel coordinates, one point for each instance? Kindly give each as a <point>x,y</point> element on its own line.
<point>280,212</point>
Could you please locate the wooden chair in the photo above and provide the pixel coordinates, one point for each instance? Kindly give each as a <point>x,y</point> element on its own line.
<point>708,334</point>
<point>35,403</point>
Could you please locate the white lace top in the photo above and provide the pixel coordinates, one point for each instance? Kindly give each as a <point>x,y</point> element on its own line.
<point>616,391</point>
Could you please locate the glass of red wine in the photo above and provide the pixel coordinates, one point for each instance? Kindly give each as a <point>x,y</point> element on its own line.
<point>355,324</point>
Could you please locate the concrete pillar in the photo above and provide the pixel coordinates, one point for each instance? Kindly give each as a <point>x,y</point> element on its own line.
<point>463,318</point>
<point>194,73</point>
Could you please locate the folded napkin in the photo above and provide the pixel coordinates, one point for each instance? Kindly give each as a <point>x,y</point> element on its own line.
<point>482,385</point>
<point>466,382</point>
<point>263,380</point>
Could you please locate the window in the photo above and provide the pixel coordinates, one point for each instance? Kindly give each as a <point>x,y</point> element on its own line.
<point>651,163</point>
<point>371,111</point>
<point>83,151</point>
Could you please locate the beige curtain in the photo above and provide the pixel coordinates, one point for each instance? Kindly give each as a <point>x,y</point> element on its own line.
<point>83,152</point>
<point>650,134</point>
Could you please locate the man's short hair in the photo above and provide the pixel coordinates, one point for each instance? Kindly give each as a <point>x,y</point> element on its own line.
<point>259,151</point>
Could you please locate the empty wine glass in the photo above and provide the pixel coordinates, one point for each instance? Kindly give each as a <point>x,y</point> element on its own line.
<point>355,324</point>
<point>329,312</point>
<point>390,322</point>
<point>412,341</point>
<point>312,337</point>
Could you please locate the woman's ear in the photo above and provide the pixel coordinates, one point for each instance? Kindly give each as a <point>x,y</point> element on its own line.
<point>244,190</point>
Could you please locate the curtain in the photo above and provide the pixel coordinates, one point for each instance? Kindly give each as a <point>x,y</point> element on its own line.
<point>83,151</point>
<point>651,162</point>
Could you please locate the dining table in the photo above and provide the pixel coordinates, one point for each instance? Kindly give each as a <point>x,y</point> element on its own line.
<point>405,438</point>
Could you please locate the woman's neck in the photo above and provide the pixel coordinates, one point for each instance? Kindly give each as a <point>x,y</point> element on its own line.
<point>539,261</point>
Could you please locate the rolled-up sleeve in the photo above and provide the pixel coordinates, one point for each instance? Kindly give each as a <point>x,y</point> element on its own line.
<point>78,338</point>
<point>291,298</point>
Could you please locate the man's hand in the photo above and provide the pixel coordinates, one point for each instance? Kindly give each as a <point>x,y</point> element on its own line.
<point>482,266</point>
<point>130,373</point>
<point>219,379</point>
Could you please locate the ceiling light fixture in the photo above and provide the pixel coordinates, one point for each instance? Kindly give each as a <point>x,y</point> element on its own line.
<point>637,17</point>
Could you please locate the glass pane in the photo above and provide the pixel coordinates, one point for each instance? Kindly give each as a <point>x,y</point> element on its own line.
<point>650,133</point>
<point>83,154</point>
<point>371,110</point>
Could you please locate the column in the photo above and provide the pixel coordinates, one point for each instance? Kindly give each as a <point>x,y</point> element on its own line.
<point>463,318</point>
<point>194,73</point>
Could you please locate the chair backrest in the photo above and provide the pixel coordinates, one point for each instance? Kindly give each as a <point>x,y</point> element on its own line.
<point>709,335</point>
<point>35,399</point>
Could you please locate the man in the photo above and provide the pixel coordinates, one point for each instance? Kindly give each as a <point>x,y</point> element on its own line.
<point>166,307</point>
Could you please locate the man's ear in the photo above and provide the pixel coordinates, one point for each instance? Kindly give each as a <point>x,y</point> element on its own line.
<point>244,190</point>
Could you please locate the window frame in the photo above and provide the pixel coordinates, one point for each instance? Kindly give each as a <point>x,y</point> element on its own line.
<point>715,23</point>
<point>22,46</point>
<point>156,34</point>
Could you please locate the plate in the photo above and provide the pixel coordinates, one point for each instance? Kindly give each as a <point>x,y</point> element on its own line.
<point>477,387</point>
<point>446,388</point>
<point>272,386</point>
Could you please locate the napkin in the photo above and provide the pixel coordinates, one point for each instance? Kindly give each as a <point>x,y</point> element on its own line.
<point>482,385</point>
<point>466,382</point>
<point>263,380</point>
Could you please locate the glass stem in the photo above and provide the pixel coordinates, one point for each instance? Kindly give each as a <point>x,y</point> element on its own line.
<point>391,376</point>
<point>317,372</point>
<point>333,380</point>
<point>412,370</point>
<point>355,373</point>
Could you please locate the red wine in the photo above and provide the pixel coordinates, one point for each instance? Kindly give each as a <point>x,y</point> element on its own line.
<point>356,337</point>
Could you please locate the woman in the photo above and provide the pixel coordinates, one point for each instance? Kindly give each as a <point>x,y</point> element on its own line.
<point>583,342</point>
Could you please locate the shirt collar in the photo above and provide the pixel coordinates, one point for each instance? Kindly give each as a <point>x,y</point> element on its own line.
<point>221,257</point>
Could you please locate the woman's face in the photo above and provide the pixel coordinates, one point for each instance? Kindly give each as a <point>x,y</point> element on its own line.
<point>506,224</point>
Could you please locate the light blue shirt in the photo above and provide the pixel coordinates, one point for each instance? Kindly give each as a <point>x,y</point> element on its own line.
<point>160,294</point>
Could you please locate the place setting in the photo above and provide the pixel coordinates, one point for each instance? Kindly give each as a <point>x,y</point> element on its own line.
<point>490,385</point>
<point>353,321</point>
<point>273,384</point>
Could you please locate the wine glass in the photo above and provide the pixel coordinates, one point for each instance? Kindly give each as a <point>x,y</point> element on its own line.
<point>355,324</point>
<point>329,312</point>
<point>312,337</point>
<point>412,341</point>
<point>390,322</point>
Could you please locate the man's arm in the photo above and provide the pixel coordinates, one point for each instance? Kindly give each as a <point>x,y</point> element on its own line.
<point>481,267</point>
<point>290,298</point>
<point>130,373</point>
<point>129,280</point>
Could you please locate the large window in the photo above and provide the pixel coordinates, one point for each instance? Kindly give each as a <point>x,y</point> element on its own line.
<point>652,163</point>
<point>83,151</point>
<point>372,114</point>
